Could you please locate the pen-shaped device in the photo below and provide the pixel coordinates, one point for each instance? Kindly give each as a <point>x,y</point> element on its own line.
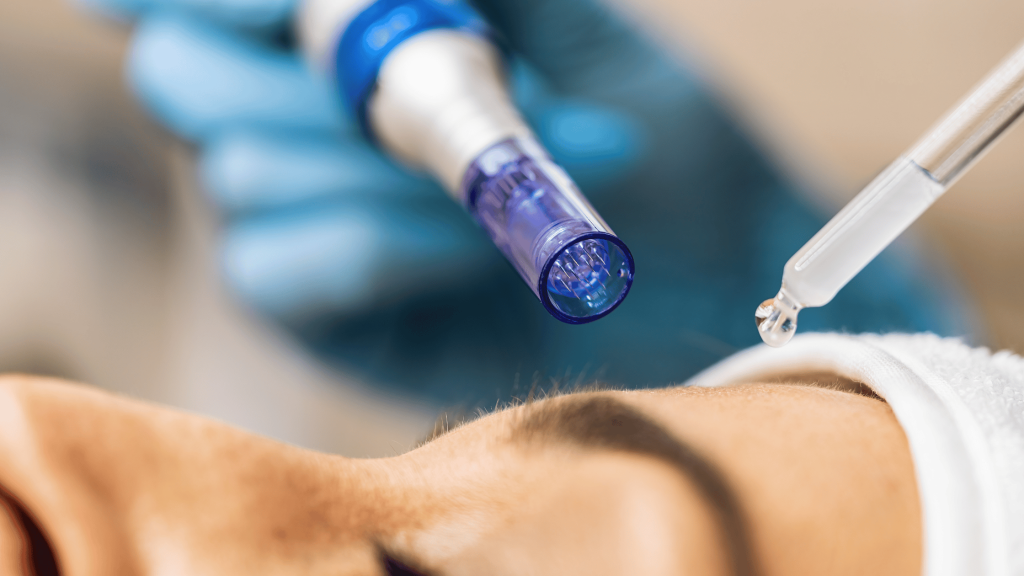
<point>427,85</point>
<point>894,199</point>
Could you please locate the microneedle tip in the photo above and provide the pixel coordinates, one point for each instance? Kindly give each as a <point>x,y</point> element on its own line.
<point>776,321</point>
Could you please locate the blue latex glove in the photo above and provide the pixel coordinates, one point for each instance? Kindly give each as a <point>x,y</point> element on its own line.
<point>378,271</point>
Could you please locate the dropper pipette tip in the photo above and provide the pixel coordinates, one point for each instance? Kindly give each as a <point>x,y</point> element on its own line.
<point>776,319</point>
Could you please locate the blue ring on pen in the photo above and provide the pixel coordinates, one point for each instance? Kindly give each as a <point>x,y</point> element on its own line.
<point>378,30</point>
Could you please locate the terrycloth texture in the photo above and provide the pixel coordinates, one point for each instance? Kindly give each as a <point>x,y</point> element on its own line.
<point>963,413</point>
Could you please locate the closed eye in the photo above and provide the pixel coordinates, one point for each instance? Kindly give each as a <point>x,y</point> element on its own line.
<point>395,567</point>
<point>38,557</point>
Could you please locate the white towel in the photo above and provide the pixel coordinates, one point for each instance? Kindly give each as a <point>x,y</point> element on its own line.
<point>962,410</point>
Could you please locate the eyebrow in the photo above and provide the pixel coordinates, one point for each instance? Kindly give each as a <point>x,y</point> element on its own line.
<point>608,424</point>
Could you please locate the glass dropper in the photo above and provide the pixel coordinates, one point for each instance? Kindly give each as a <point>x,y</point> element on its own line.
<point>895,199</point>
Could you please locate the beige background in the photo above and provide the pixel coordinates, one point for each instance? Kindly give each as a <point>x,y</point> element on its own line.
<point>125,293</point>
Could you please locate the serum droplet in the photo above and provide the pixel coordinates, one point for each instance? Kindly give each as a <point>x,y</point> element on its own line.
<point>776,319</point>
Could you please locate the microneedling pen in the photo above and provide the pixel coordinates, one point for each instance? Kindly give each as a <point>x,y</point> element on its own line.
<point>894,199</point>
<point>427,85</point>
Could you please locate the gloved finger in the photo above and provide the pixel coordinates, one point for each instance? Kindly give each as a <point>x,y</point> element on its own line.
<point>582,46</point>
<point>345,258</point>
<point>598,145</point>
<point>245,171</point>
<point>245,14</point>
<point>200,79</point>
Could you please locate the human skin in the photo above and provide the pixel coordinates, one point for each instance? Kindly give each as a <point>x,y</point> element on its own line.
<point>823,480</point>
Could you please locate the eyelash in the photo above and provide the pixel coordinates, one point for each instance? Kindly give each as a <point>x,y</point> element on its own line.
<point>394,567</point>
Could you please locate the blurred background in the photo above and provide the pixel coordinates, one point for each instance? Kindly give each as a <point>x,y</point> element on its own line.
<point>109,273</point>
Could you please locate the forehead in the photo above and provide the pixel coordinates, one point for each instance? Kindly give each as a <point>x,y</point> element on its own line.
<point>679,409</point>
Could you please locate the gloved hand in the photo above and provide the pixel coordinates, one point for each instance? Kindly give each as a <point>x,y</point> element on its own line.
<point>378,271</point>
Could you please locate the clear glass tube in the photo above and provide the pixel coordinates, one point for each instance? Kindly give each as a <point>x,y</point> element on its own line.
<point>895,199</point>
<point>963,135</point>
<point>859,232</point>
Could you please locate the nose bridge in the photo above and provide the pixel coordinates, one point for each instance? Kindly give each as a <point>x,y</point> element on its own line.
<point>270,508</point>
<point>445,498</point>
<point>357,504</point>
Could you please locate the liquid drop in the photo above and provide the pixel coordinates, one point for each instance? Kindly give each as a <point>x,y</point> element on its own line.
<point>776,319</point>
